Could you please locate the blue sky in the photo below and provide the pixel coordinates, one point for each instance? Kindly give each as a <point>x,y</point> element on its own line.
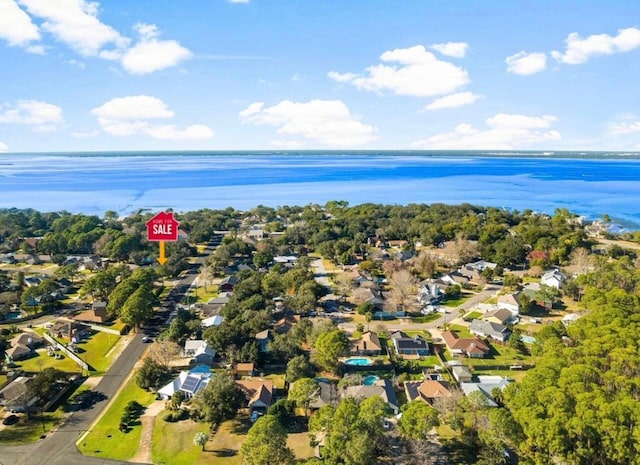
<point>322,74</point>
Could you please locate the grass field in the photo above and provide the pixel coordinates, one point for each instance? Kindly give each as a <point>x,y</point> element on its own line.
<point>30,429</point>
<point>473,315</point>
<point>173,442</point>
<point>105,440</point>
<point>426,318</point>
<point>459,301</point>
<point>93,350</point>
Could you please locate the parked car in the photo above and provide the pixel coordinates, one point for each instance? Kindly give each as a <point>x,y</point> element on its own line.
<point>11,420</point>
<point>146,339</point>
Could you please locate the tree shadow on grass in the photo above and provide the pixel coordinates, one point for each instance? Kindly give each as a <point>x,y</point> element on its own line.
<point>226,452</point>
<point>241,426</point>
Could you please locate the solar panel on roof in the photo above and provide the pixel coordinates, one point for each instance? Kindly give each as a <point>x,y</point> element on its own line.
<point>190,383</point>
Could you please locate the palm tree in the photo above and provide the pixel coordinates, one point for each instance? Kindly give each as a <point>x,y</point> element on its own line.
<point>200,439</point>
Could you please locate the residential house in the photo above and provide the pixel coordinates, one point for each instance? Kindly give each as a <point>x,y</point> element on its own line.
<point>215,304</point>
<point>495,331</point>
<point>427,391</point>
<point>7,258</point>
<point>431,292</point>
<point>501,316</point>
<point>200,351</point>
<point>74,330</point>
<point>486,386</point>
<point>510,302</point>
<point>553,278</point>
<point>411,346</point>
<point>263,338</point>
<point>244,369</point>
<point>382,388</point>
<point>398,244</point>
<point>228,283</point>
<point>473,271</point>
<point>215,320</point>
<point>258,394</point>
<point>285,324</point>
<point>287,260</point>
<point>368,344</point>
<point>16,397</point>
<point>189,382</point>
<point>183,235</point>
<point>327,395</point>
<point>532,291</point>
<point>470,347</point>
<point>461,373</point>
<point>570,318</point>
<point>97,313</point>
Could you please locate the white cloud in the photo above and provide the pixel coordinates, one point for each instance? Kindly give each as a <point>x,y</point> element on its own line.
<point>453,101</point>
<point>625,128</point>
<point>505,131</point>
<point>327,122</point>
<point>526,63</point>
<point>151,54</point>
<point>85,134</point>
<point>416,73</point>
<point>3,147</point>
<point>133,107</point>
<point>15,25</point>
<point>44,117</point>
<point>76,23</point>
<point>579,50</point>
<point>238,1</point>
<point>451,49</point>
<point>126,116</point>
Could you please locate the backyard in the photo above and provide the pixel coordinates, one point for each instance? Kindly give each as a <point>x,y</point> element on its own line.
<point>95,350</point>
<point>173,442</point>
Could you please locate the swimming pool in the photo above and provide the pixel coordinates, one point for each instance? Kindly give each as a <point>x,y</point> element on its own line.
<point>358,361</point>
<point>370,380</point>
<point>528,339</point>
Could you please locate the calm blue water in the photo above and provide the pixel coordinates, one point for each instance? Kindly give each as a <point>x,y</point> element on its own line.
<point>358,361</point>
<point>94,183</point>
<point>370,380</point>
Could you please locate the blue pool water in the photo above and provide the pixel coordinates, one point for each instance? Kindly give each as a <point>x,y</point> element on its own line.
<point>528,339</point>
<point>358,361</point>
<point>12,315</point>
<point>370,380</point>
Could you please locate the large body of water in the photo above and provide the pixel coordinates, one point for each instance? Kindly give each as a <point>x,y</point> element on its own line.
<point>589,184</point>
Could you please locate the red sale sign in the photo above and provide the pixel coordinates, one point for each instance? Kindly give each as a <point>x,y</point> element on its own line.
<point>163,227</point>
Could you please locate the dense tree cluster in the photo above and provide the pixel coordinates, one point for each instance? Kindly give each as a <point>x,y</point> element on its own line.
<point>580,405</point>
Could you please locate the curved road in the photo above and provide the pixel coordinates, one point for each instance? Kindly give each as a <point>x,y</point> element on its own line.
<point>59,448</point>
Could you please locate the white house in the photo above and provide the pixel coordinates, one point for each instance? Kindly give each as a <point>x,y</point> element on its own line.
<point>553,278</point>
<point>510,302</point>
<point>190,382</point>
<point>486,385</point>
<point>215,320</point>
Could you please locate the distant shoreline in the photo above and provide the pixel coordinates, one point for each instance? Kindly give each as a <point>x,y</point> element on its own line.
<point>538,154</point>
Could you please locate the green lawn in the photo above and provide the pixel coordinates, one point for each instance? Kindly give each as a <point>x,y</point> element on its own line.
<point>42,361</point>
<point>426,318</point>
<point>429,362</point>
<point>459,301</point>
<point>473,315</point>
<point>462,331</point>
<point>501,356</point>
<point>173,442</point>
<point>95,350</point>
<point>105,440</point>
<point>30,429</point>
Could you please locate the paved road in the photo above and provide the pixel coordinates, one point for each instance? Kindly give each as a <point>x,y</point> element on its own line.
<point>59,448</point>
